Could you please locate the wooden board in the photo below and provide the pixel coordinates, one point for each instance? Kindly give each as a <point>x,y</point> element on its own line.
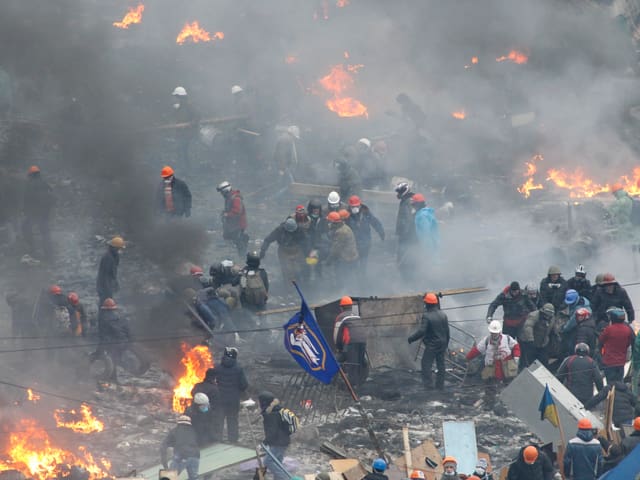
<point>212,458</point>
<point>418,454</point>
<point>350,468</point>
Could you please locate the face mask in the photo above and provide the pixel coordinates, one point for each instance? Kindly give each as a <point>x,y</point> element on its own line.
<point>167,181</point>
<point>355,210</point>
<point>204,408</point>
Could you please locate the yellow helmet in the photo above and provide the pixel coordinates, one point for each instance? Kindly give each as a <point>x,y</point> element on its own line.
<point>117,242</point>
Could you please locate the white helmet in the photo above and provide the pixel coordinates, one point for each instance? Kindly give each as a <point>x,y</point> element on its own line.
<point>236,89</point>
<point>581,269</point>
<point>180,92</point>
<point>333,198</point>
<point>366,142</point>
<point>294,131</point>
<point>201,399</point>
<point>495,326</point>
<point>223,187</point>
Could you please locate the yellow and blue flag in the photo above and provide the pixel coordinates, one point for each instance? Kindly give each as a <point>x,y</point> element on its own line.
<point>548,408</point>
<point>303,339</point>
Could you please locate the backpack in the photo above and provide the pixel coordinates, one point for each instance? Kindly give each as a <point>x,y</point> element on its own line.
<point>254,291</point>
<point>62,319</point>
<point>290,421</point>
<point>635,211</point>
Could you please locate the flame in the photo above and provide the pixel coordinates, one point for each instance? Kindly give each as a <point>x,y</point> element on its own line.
<point>192,31</point>
<point>134,15</point>
<point>529,184</point>
<point>459,115</point>
<point>290,59</point>
<point>514,56</point>
<point>32,397</point>
<point>30,451</point>
<point>195,363</point>
<point>338,82</point>
<point>83,422</point>
<point>474,60</point>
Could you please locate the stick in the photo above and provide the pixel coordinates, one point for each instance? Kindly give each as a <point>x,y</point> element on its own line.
<point>248,132</point>
<point>275,460</point>
<point>253,438</point>
<point>407,449</point>
<point>207,121</point>
<point>561,447</point>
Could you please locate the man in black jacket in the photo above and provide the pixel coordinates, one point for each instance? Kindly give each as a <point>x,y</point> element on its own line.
<point>107,282</point>
<point>113,332</point>
<point>633,440</point>
<point>203,419</point>
<point>232,382</point>
<point>553,288</point>
<point>435,335</point>
<point>37,203</point>
<point>625,406</point>
<point>276,434</point>
<point>515,308</point>
<point>173,197</point>
<point>532,463</point>
<point>186,452</point>
<point>405,228</point>
<point>361,220</point>
<point>580,283</point>
<point>579,373</point>
<point>610,294</point>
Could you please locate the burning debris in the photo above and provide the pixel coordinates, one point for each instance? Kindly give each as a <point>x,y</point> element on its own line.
<point>195,34</point>
<point>195,362</point>
<point>80,422</point>
<point>31,396</point>
<point>338,82</point>
<point>459,115</point>
<point>514,56</point>
<point>30,451</point>
<point>474,61</point>
<point>133,16</point>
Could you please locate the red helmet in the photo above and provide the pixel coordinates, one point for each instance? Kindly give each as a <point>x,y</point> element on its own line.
<point>33,169</point>
<point>354,201</point>
<point>346,301</point>
<point>166,172</point>
<point>55,290</point>
<point>418,198</point>
<point>301,209</point>
<point>608,279</point>
<point>109,304</point>
<point>334,217</point>
<point>582,314</point>
<point>73,298</point>
<point>196,271</point>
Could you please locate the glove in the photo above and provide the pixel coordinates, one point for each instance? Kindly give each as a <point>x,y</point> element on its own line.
<point>489,318</point>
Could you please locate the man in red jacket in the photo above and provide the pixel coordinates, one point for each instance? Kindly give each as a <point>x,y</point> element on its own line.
<point>234,217</point>
<point>614,343</point>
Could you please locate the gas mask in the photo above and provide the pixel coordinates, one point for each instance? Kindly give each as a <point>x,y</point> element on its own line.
<point>355,210</point>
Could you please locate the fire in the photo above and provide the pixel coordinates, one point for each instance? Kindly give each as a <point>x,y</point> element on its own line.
<point>526,187</point>
<point>459,115</point>
<point>32,397</point>
<point>195,363</point>
<point>474,60</point>
<point>338,82</point>
<point>514,56</point>
<point>342,3</point>
<point>82,422</point>
<point>134,15</point>
<point>192,31</point>
<point>30,451</point>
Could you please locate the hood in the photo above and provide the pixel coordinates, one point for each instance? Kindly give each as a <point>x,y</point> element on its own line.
<point>228,361</point>
<point>586,435</point>
<point>265,399</point>
<point>209,376</point>
<point>621,386</point>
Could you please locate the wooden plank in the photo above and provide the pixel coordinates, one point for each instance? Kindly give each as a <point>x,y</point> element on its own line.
<point>215,457</point>
<point>418,454</point>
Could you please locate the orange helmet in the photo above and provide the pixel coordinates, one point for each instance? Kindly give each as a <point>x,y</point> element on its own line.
<point>417,474</point>
<point>166,172</point>
<point>109,304</point>
<point>418,198</point>
<point>449,459</point>
<point>33,169</point>
<point>196,271</point>
<point>530,454</point>
<point>55,290</point>
<point>584,424</point>
<point>346,301</point>
<point>354,201</point>
<point>430,299</point>
<point>636,424</point>
<point>334,217</point>
<point>615,187</point>
<point>343,214</point>
<point>73,298</point>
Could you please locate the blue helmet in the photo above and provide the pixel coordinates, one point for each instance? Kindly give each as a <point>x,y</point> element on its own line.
<point>616,314</point>
<point>571,297</point>
<point>379,465</point>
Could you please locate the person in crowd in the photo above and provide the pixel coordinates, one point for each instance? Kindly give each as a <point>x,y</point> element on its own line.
<point>531,291</point>
<point>37,207</point>
<point>625,404</point>
<point>481,470</point>
<point>405,228</point>
<point>515,307</point>
<point>293,247</point>
<point>612,458</point>
<point>553,288</point>
<point>610,294</point>
<point>254,284</point>
<point>620,210</point>
<point>351,342</point>
<point>534,337</point>
<point>113,333</point>
<point>532,464</point>
<point>583,456</point>
<point>234,217</point>
<point>632,441</point>
<point>378,467</point>
<point>342,257</point>
<point>580,283</point>
<point>450,467</point>
<point>187,120</point>
<point>276,436</point>
<point>107,281</point>
<point>173,197</point>
<point>183,439</point>
<point>361,221</point>
<point>79,323</point>
<point>566,319</point>
<point>614,342</point>
<point>580,373</point>
<point>585,331</point>
<point>434,333</point>
<point>204,420</point>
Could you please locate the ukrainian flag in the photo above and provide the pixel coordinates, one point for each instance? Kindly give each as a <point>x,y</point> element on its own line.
<point>548,408</point>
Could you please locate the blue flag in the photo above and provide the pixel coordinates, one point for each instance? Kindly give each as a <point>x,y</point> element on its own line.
<point>306,344</point>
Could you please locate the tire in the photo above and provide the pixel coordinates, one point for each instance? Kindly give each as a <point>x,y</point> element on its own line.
<point>101,366</point>
<point>134,363</point>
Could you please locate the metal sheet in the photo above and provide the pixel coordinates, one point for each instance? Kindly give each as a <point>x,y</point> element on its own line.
<point>460,442</point>
<point>523,395</point>
<point>212,458</point>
